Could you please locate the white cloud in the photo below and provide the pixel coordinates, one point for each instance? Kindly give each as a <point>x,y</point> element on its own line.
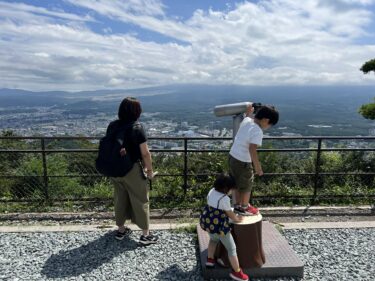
<point>269,43</point>
<point>119,8</point>
<point>18,11</point>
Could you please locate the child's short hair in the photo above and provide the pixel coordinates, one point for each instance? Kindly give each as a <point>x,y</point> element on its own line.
<point>269,112</point>
<point>224,182</point>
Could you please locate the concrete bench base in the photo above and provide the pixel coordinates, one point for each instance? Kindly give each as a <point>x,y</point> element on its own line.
<point>281,260</point>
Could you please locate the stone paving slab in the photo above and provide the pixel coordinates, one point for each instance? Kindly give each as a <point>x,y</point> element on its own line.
<point>281,260</point>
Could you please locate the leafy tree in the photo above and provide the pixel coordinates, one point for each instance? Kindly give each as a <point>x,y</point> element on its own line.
<point>368,110</point>
<point>368,66</point>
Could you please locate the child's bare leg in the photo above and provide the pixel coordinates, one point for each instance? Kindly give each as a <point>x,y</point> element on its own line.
<point>245,198</point>
<point>234,263</point>
<point>229,244</point>
<point>242,198</point>
<point>211,249</point>
<point>237,197</point>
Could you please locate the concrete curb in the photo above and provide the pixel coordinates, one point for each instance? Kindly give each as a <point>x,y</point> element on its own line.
<point>167,211</point>
<point>79,228</point>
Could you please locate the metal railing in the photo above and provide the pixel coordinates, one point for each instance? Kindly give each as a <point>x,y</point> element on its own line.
<point>315,146</point>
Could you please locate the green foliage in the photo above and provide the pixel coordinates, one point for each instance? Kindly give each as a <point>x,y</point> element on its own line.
<point>101,188</point>
<point>368,66</point>
<point>33,185</point>
<point>191,228</point>
<point>368,110</point>
<point>9,159</point>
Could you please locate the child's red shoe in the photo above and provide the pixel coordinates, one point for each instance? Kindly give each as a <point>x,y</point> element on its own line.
<point>210,262</point>
<point>251,210</point>
<point>239,276</point>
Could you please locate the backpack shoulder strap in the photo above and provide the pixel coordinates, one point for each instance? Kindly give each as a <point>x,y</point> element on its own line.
<point>218,202</point>
<point>123,136</point>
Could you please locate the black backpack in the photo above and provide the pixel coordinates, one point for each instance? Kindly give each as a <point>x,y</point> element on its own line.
<point>109,162</point>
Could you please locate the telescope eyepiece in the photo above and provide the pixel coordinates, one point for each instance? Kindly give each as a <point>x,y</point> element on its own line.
<point>256,106</point>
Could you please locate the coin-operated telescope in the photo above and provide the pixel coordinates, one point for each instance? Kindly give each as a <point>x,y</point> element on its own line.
<point>236,110</point>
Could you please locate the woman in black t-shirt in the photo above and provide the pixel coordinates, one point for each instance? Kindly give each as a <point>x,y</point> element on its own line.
<point>131,192</point>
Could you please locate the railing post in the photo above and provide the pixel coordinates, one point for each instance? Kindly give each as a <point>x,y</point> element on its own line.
<point>185,166</point>
<point>317,171</point>
<point>45,174</point>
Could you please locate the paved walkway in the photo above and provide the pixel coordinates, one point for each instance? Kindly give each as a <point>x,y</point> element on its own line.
<point>365,210</point>
<point>304,217</point>
<point>167,226</point>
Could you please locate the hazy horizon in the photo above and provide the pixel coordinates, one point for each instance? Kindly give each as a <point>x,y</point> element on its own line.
<point>196,85</point>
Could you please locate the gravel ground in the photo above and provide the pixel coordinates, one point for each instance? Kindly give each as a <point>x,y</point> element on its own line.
<point>337,254</point>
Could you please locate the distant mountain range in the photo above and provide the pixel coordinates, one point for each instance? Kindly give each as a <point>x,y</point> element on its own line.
<point>307,110</point>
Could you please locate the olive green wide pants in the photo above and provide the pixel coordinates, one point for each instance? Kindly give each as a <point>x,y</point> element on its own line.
<point>131,196</point>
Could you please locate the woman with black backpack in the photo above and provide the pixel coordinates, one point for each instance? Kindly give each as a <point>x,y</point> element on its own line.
<point>131,194</point>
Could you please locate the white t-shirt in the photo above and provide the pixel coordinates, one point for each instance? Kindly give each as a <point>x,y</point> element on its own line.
<point>214,196</point>
<point>249,132</point>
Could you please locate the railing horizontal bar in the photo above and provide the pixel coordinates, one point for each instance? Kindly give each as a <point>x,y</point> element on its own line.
<point>190,175</point>
<point>271,138</point>
<point>258,198</point>
<point>51,138</point>
<point>277,196</point>
<point>81,176</point>
<point>182,151</point>
<point>190,150</point>
<point>193,138</point>
<point>27,200</point>
<point>48,151</point>
<point>348,149</point>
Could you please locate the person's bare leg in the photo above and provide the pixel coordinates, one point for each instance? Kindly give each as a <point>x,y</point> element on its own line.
<point>234,198</point>
<point>237,197</point>
<point>234,263</point>
<point>245,198</point>
<point>211,249</point>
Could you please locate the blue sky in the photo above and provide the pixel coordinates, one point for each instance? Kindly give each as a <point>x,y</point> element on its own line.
<point>100,44</point>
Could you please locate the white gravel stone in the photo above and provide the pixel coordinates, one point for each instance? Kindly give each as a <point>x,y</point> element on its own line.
<point>335,254</point>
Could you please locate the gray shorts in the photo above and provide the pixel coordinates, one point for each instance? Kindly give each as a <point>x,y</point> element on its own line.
<point>242,173</point>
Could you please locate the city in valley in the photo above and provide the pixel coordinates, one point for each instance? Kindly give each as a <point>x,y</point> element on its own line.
<point>186,111</point>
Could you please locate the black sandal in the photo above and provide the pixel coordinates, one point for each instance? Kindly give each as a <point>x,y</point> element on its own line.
<point>120,235</point>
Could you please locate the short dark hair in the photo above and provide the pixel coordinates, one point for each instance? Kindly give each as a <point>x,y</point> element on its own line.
<point>269,112</point>
<point>129,110</point>
<point>224,182</point>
